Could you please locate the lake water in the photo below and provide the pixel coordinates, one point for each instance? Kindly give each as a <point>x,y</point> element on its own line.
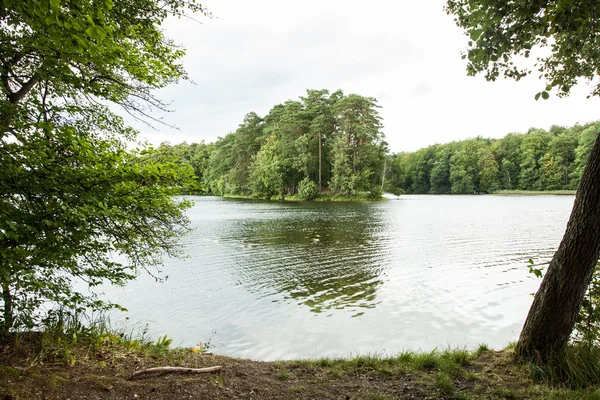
<point>280,280</point>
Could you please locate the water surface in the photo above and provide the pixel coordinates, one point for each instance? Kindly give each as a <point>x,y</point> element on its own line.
<point>276,280</point>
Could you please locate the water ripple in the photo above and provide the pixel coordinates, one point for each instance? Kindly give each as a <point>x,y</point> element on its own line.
<point>282,280</point>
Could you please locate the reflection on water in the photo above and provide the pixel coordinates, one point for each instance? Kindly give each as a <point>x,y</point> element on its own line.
<point>270,280</point>
<point>323,258</point>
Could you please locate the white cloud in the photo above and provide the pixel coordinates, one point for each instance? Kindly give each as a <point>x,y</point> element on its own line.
<point>405,53</point>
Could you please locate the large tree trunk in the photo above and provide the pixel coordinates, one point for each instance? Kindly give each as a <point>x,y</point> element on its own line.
<point>552,315</point>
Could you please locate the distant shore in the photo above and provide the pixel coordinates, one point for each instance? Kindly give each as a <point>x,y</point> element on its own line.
<point>323,197</point>
<point>535,192</point>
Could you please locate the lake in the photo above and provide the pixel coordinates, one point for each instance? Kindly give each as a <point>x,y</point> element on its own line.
<point>281,280</point>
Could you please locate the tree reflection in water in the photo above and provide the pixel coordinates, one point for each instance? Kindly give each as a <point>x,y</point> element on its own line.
<point>324,258</point>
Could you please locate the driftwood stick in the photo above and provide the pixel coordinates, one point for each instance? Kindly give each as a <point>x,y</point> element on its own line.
<point>170,370</point>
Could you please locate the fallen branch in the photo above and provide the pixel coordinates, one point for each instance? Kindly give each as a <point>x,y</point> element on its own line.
<point>170,370</point>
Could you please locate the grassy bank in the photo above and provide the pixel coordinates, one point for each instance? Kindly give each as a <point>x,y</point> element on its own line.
<point>534,192</point>
<point>323,197</point>
<point>95,364</point>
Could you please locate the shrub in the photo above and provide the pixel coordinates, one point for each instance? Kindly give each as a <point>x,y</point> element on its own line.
<point>375,193</point>
<point>308,189</point>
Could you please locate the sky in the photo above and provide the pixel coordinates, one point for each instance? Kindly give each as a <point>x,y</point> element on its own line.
<point>253,55</point>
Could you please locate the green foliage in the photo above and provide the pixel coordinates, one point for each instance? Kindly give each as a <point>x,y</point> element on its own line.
<point>76,205</point>
<point>77,338</point>
<point>196,155</point>
<point>587,325</point>
<point>535,161</point>
<point>71,201</point>
<point>307,189</point>
<point>444,383</point>
<point>533,270</point>
<point>375,193</point>
<point>576,366</point>
<point>504,34</point>
<point>328,139</point>
<point>265,172</point>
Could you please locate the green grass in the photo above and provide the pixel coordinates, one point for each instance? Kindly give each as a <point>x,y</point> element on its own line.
<point>284,375</point>
<point>444,383</point>
<point>534,192</point>
<point>449,361</point>
<point>577,367</point>
<point>451,373</point>
<point>70,339</point>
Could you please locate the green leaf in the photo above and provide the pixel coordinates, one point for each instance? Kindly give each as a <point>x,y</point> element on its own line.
<point>545,95</point>
<point>91,32</point>
<point>50,19</point>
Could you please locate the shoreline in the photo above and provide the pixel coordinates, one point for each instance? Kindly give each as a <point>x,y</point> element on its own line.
<point>535,193</point>
<point>105,372</point>
<point>363,197</point>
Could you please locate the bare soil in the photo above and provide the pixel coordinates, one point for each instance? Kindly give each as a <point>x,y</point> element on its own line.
<point>493,375</point>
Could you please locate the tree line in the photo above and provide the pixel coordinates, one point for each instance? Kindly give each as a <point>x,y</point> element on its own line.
<point>537,160</point>
<point>279,154</point>
<point>323,141</point>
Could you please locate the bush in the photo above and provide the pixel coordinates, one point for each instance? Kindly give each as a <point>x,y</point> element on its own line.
<point>308,189</point>
<point>375,193</point>
<point>587,326</point>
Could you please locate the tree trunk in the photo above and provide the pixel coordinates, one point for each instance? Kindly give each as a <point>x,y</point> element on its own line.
<point>383,174</point>
<point>8,310</point>
<point>552,315</point>
<point>320,157</point>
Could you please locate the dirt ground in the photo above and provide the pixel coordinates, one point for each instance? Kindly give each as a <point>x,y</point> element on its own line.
<point>239,379</point>
<point>493,375</point>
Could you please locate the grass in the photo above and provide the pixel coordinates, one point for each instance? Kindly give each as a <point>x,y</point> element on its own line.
<point>103,355</point>
<point>578,367</point>
<point>445,384</point>
<point>450,361</point>
<point>378,396</point>
<point>534,192</point>
<point>71,339</point>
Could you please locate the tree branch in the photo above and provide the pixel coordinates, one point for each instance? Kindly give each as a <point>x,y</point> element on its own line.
<point>170,370</point>
<point>14,98</point>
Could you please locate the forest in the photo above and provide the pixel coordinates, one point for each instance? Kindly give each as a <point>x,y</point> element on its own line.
<point>537,160</point>
<point>321,142</point>
<point>334,142</point>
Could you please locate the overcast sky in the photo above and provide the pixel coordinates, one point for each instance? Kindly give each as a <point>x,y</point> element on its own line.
<point>405,53</point>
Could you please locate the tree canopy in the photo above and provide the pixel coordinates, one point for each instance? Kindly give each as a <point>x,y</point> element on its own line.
<point>536,160</point>
<point>324,138</point>
<point>561,37</point>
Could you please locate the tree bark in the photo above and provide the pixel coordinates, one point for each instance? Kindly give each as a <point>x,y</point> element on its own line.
<point>555,307</point>
<point>320,156</point>
<point>8,310</point>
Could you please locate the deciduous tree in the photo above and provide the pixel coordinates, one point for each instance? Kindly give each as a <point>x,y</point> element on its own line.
<point>502,35</point>
<point>71,195</point>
